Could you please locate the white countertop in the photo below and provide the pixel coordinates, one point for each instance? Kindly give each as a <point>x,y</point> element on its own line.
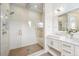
<point>64,39</point>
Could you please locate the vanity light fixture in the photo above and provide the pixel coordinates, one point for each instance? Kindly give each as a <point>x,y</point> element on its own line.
<point>59,10</point>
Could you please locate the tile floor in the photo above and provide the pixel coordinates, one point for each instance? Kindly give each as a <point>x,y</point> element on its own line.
<point>24,51</point>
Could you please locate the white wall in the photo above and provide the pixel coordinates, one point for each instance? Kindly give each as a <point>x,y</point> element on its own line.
<point>51,24</point>
<point>19,21</point>
<point>48,18</point>
<point>48,21</point>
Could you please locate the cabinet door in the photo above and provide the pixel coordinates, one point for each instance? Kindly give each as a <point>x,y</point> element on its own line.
<point>54,43</point>
<point>76,50</point>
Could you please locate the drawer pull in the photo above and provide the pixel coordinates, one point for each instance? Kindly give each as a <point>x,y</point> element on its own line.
<point>67,51</point>
<point>66,45</point>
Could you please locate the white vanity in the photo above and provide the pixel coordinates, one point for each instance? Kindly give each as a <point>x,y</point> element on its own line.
<point>61,45</point>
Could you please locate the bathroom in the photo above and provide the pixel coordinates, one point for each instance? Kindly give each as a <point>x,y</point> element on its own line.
<point>43,28</point>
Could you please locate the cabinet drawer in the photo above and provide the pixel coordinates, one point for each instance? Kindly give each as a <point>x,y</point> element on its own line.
<point>67,46</point>
<point>67,53</point>
<point>67,49</point>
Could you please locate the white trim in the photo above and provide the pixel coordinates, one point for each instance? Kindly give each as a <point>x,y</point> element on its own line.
<point>38,53</point>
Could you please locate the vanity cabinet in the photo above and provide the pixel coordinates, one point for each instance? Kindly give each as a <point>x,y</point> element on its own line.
<point>76,50</point>
<point>64,47</point>
<point>67,49</point>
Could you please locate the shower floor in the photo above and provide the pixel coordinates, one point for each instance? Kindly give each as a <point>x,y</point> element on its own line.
<point>24,51</point>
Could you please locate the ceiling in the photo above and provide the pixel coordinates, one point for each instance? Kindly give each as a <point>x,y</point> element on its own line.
<point>37,7</point>
<point>75,12</point>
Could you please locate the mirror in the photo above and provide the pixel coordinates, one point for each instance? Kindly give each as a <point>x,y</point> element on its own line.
<point>69,21</point>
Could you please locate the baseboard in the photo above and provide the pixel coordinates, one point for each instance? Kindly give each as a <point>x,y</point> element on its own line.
<point>38,53</point>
